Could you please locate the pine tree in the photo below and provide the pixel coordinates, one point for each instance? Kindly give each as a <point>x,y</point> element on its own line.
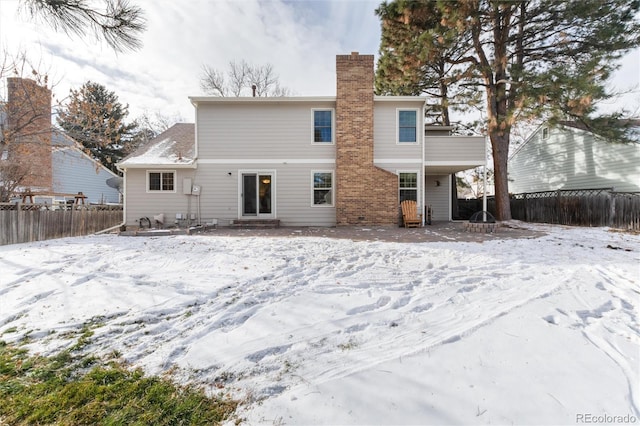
<point>95,118</point>
<point>538,59</point>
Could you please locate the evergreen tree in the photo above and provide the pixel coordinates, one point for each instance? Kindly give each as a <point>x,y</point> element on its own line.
<point>95,118</point>
<point>538,59</point>
<point>118,22</point>
<point>420,57</point>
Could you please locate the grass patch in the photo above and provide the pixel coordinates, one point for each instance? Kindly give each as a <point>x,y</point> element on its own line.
<point>67,390</point>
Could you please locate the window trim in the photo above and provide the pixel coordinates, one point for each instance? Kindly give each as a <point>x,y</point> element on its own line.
<point>313,188</point>
<point>417,188</point>
<point>545,132</point>
<point>333,126</point>
<point>418,126</point>
<point>162,191</point>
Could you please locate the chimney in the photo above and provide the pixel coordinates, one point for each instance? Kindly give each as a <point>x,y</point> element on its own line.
<point>29,131</point>
<point>365,194</point>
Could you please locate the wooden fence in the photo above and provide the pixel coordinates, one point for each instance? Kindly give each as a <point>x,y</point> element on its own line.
<point>33,222</point>
<point>587,207</point>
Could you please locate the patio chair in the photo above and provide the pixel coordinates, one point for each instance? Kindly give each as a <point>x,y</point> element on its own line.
<point>410,216</point>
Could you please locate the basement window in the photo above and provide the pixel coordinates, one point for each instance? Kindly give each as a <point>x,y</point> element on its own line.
<point>161,181</point>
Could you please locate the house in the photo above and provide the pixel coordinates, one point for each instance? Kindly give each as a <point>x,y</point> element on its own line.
<point>57,167</point>
<point>347,159</point>
<point>568,156</point>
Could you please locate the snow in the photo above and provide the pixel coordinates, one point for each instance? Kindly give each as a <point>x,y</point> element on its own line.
<point>311,330</point>
<point>162,152</point>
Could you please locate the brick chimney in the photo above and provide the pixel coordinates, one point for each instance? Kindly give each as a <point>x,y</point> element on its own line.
<point>29,131</point>
<point>365,194</point>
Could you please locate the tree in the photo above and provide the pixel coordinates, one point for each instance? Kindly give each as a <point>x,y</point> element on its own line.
<point>540,59</point>
<point>95,118</point>
<point>416,60</point>
<point>118,22</point>
<point>240,80</point>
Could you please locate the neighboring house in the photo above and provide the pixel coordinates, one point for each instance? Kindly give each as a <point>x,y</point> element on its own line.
<point>57,165</point>
<point>570,157</point>
<point>306,161</point>
<point>74,171</point>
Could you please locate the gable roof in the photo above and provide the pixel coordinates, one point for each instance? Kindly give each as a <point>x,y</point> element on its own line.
<point>173,147</point>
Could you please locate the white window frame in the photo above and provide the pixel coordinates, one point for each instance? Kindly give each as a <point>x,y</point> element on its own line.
<point>417,173</point>
<point>418,125</point>
<point>333,188</point>
<point>162,191</point>
<point>333,126</point>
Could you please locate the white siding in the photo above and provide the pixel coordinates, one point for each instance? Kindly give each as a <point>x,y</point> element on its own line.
<point>292,191</point>
<point>385,146</point>
<point>573,159</point>
<point>140,203</point>
<point>455,149</point>
<point>439,196</point>
<point>260,131</point>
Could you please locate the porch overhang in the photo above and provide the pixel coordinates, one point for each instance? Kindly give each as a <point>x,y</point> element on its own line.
<point>446,168</point>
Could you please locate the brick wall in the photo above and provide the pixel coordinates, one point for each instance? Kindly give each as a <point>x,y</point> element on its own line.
<point>365,194</point>
<point>29,131</point>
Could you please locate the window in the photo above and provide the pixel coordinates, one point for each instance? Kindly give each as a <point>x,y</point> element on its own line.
<point>407,126</point>
<point>545,133</point>
<point>322,188</point>
<point>408,186</point>
<point>161,181</point>
<point>322,126</point>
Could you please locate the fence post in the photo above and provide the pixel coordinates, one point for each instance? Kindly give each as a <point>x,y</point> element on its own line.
<point>612,208</point>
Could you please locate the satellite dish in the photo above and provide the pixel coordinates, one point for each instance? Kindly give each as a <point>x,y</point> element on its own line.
<point>115,182</point>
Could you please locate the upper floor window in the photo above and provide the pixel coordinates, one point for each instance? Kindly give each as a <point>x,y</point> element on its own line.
<point>323,126</point>
<point>407,126</point>
<point>161,181</point>
<point>322,188</point>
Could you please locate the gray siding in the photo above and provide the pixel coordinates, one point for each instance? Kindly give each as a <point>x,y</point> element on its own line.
<point>260,130</point>
<point>139,203</point>
<point>439,196</point>
<point>292,192</point>
<point>220,197</point>
<point>74,172</point>
<point>573,159</point>
<point>385,131</point>
<point>455,149</point>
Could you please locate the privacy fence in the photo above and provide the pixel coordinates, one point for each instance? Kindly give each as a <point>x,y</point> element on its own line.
<point>585,207</point>
<point>23,223</point>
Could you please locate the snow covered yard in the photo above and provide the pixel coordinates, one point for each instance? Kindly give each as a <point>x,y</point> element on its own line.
<point>308,330</point>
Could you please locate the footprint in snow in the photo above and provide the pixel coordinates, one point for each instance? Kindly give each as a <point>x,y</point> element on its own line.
<point>366,308</point>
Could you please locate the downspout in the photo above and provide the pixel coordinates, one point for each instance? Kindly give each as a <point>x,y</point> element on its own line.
<point>124,204</point>
<point>424,175</point>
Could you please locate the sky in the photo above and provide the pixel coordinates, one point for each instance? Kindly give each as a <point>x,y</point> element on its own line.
<point>299,38</point>
<point>531,325</point>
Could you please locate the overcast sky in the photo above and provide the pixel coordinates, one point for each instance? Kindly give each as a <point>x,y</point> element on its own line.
<point>299,38</point>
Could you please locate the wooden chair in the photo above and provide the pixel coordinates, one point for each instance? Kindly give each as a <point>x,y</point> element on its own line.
<point>410,215</point>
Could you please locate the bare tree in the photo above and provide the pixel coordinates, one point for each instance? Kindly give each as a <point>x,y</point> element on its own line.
<point>240,79</point>
<point>25,124</point>
<point>118,22</point>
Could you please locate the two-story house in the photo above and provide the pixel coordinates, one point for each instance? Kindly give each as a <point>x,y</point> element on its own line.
<point>569,156</point>
<point>347,159</point>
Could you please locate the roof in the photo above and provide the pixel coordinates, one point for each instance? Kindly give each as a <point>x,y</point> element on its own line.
<point>173,147</point>
<point>300,99</point>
